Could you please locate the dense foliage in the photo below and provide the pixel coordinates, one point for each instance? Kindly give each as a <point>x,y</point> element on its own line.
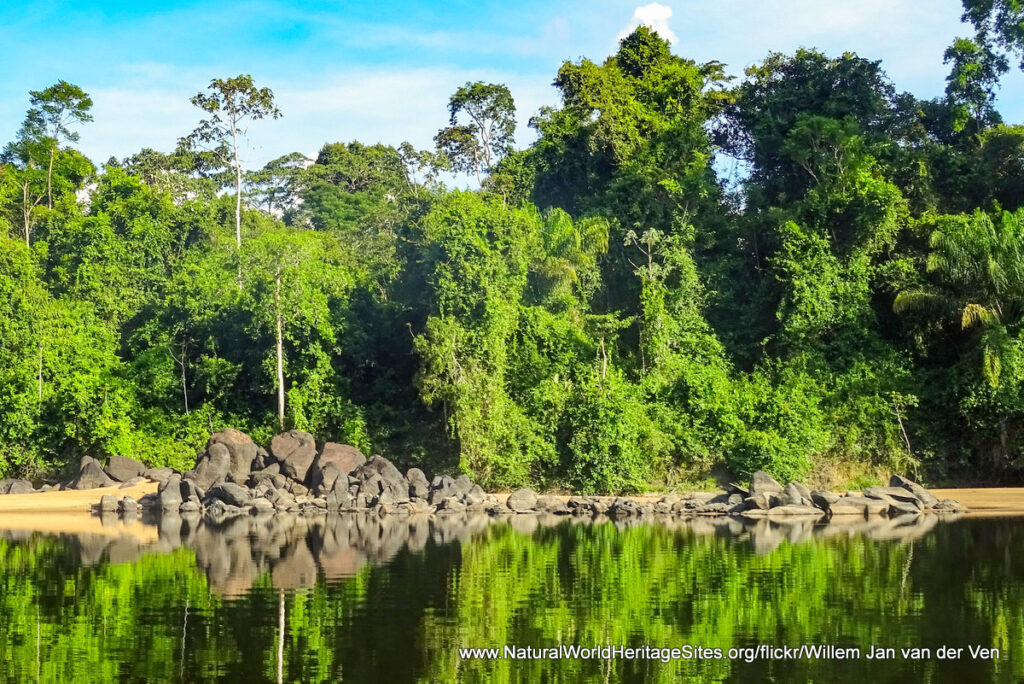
<point>606,313</point>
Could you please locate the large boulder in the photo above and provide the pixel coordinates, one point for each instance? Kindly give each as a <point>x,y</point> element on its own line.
<point>324,478</point>
<point>230,493</point>
<point>212,467</point>
<point>90,475</point>
<point>122,468</point>
<point>169,494</point>
<point>346,457</point>
<point>763,483</point>
<point>522,500</point>
<point>892,493</point>
<point>16,487</point>
<point>392,483</point>
<point>242,450</point>
<point>419,488</point>
<point>295,450</point>
<point>923,495</point>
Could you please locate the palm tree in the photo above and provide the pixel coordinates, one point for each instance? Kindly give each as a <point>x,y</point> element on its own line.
<point>979,262</point>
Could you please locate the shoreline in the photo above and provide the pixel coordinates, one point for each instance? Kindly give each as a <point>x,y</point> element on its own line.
<point>980,502</point>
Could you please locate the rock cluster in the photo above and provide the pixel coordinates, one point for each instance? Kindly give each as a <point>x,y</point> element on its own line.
<point>235,476</point>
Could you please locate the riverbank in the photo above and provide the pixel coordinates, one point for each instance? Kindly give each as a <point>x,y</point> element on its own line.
<point>995,501</point>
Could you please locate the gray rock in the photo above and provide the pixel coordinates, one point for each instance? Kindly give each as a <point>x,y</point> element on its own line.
<point>897,493</point>
<point>109,503</point>
<point>90,475</point>
<point>791,496</point>
<point>763,483</point>
<point>451,505</point>
<point>441,488</point>
<point>127,484</point>
<point>551,504</point>
<point>159,474</point>
<point>735,499</point>
<point>382,467</point>
<point>805,493</point>
<point>463,484</point>
<point>128,505</point>
<point>190,507</point>
<point>169,493</point>
<point>242,451</point>
<point>522,500</point>
<point>855,505</point>
<point>923,495</point>
<point>16,487</point>
<point>261,506</point>
<point>325,477</point>
<point>122,468</point>
<point>823,499</point>
<point>231,494</point>
<point>759,502</point>
<point>346,457</point>
<point>950,505</point>
<point>212,468</point>
<point>190,490</point>
<point>790,510</point>
<point>295,450</point>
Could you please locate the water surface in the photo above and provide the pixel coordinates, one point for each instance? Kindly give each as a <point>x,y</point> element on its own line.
<point>366,599</point>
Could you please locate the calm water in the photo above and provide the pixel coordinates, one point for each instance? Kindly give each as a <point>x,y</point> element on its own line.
<point>363,599</point>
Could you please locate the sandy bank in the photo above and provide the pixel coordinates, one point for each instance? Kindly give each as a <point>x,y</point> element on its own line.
<point>68,501</point>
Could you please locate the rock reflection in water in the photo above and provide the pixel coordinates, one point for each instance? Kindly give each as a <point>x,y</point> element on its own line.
<point>295,550</point>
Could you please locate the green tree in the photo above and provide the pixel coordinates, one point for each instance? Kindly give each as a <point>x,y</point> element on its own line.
<point>232,103</point>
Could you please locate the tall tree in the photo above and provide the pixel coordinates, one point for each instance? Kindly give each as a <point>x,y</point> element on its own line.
<point>53,112</point>
<point>475,146</point>
<point>232,104</point>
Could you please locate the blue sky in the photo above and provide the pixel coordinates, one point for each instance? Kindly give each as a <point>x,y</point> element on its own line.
<point>378,71</point>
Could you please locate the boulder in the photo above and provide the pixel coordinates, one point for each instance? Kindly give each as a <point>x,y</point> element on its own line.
<point>90,475</point>
<point>522,500</point>
<point>213,467</point>
<point>823,499</point>
<point>122,468</point>
<point>326,477</point>
<point>761,502</point>
<point>128,505</point>
<point>169,494</point>
<point>295,450</point>
<point>158,474</point>
<point>790,510</point>
<point>450,505</point>
<point>441,488</point>
<point>550,504</point>
<point>346,457</point>
<point>923,495</point>
<point>462,485</point>
<point>792,496</point>
<point>891,493</point>
<point>855,505</point>
<point>16,487</point>
<point>191,491</point>
<point>109,503</point>
<point>128,484</point>
<point>231,494</point>
<point>950,506</point>
<point>763,483</point>
<point>242,451</point>
<point>419,488</point>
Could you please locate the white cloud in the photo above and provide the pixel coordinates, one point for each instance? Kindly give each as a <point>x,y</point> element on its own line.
<point>655,17</point>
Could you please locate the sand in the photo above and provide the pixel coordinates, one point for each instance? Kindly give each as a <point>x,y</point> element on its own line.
<point>70,500</point>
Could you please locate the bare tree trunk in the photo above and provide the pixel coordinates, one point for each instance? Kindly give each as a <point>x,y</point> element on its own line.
<point>49,178</point>
<point>26,213</point>
<point>238,185</point>
<point>280,353</point>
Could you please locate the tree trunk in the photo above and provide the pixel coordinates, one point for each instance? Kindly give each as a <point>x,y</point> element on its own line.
<point>49,178</point>
<point>280,354</point>
<point>238,185</point>
<point>26,213</point>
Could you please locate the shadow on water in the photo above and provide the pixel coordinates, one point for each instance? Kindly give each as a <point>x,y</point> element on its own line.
<point>392,599</point>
